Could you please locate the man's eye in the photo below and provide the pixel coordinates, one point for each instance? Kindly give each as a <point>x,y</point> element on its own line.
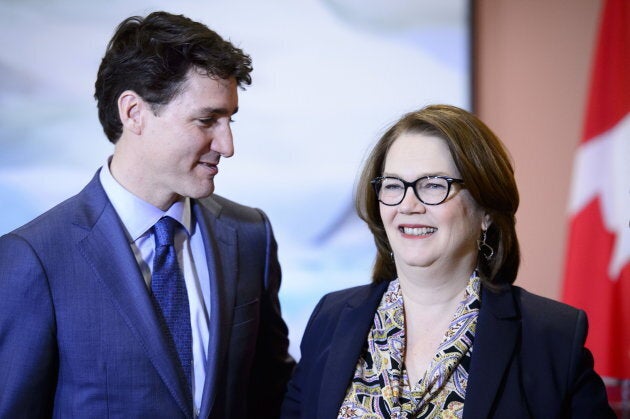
<point>208,121</point>
<point>212,121</point>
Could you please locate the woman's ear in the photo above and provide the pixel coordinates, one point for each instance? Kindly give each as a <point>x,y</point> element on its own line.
<point>130,106</point>
<point>486,222</point>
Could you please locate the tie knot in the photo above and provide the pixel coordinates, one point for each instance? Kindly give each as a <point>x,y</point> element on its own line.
<point>165,231</point>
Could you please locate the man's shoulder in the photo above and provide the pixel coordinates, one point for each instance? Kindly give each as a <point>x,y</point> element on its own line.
<point>66,212</point>
<point>230,210</point>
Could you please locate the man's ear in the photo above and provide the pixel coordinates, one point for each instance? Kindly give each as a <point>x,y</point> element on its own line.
<point>130,106</point>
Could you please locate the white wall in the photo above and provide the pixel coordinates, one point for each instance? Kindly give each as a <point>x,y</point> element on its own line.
<point>329,76</point>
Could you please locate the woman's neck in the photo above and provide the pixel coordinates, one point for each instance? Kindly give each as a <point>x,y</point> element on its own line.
<point>428,288</point>
<point>430,301</point>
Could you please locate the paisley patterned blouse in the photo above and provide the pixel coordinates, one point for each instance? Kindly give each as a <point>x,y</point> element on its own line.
<point>380,387</point>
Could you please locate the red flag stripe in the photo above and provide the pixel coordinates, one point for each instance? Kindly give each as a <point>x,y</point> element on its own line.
<point>609,98</point>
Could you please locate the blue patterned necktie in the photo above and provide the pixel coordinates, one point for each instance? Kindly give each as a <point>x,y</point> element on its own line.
<point>169,293</point>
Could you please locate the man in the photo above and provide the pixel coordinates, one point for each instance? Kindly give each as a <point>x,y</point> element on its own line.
<point>143,295</point>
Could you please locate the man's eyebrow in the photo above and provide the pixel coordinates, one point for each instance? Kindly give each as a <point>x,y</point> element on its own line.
<point>217,111</point>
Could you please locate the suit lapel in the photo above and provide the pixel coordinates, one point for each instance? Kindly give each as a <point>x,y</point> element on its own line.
<point>495,342</point>
<point>106,249</point>
<point>346,344</point>
<point>220,242</point>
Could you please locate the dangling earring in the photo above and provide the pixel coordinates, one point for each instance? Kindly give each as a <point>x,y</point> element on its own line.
<point>391,255</point>
<point>486,250</point>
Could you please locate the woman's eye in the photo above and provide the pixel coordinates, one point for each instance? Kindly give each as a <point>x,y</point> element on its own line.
<point>434,185</point>
<point>392,186</point>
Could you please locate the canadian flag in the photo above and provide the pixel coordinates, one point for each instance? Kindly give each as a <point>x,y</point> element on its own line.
<point>597,275</point>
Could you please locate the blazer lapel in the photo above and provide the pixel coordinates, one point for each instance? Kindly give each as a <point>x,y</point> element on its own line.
<point>494,346</point>
<point>106,249</point>
<point>346,344</point>
<point>220,241</point>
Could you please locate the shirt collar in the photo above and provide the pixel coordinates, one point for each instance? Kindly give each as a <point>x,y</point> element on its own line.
<point>137,215</point>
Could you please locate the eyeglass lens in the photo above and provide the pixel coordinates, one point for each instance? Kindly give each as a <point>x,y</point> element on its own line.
<point>430,190</point>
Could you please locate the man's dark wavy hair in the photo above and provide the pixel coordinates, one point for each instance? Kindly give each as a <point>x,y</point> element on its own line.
<point>152,57</point>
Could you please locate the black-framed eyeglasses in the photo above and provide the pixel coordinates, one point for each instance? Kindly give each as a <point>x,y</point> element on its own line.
<point>430,190</point>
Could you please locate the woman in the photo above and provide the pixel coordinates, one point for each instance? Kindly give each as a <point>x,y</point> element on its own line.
<point>441,331</point>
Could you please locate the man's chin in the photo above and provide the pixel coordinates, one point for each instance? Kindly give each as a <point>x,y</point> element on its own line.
<point>200,194</point>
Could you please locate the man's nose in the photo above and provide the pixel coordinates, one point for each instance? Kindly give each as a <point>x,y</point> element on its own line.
<point>223,142</point>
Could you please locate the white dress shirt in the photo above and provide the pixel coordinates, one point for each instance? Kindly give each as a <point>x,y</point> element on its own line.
<point>138,217</point>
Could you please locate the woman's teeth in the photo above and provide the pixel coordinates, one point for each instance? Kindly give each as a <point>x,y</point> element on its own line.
<point>418,231</point>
